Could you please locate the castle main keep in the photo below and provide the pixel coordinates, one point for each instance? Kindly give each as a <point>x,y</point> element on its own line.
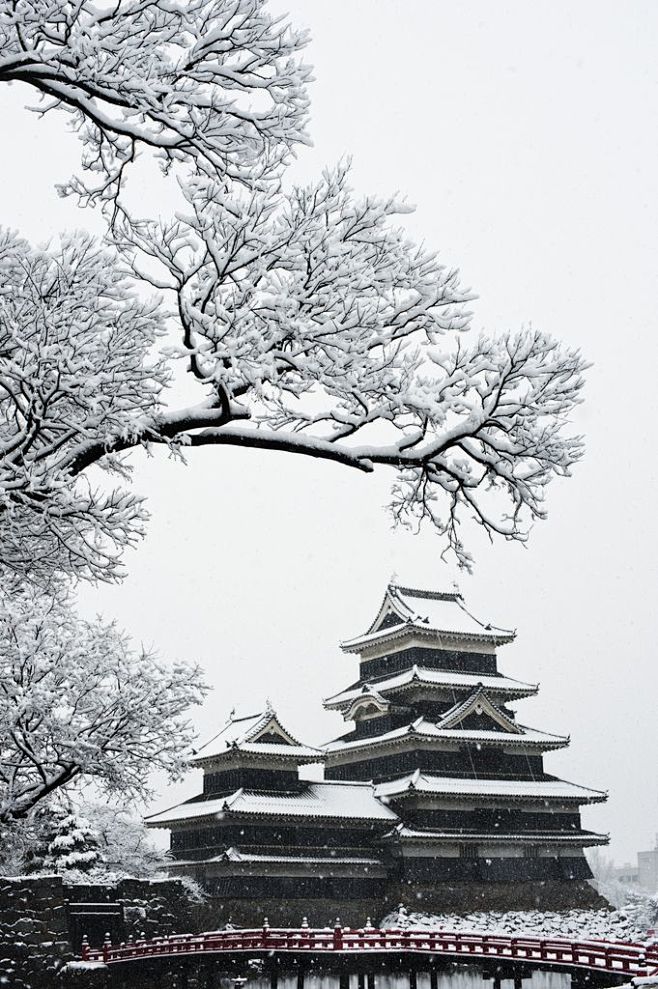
<point>437,796</point>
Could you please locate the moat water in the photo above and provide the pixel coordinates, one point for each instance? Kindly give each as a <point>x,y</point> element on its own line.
<point>461,979</point>
<point>464,977</point>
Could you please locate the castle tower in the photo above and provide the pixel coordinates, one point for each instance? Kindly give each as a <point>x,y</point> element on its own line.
<point>437,796</point>
<point>265,842</point>
<point>433,729</point>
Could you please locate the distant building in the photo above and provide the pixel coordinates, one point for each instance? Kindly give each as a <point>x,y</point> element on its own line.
<point>437,796</point>
<point>627,874</point>
<point>647,869</point>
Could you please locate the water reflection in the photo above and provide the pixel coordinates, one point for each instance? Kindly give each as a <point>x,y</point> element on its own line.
<point>461,978</point>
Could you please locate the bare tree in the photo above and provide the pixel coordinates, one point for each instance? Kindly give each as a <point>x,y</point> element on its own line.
<point>79,704</point>
<point>312,326</point>
<point>75,362</point>
<point>309,321</point>
<point>217,84</point>
<point>316,327</point>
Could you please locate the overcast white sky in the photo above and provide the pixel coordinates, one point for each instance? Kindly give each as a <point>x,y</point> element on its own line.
<point>526,135</point>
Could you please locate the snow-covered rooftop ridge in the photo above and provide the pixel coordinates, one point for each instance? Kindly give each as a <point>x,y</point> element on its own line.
<point>255,733</point>
<point>332,799</point>
<point>235,855</point>
<point>539,789</point>
<point>405,608</point>
<point>423,728</point>
<point>439,678</point>
<point>585,838</point>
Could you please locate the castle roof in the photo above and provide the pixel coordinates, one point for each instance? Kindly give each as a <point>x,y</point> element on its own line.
<point>423,730</point>
<point>549,789</point>
<point>246,862</point>
<point>237,855</point>
<point>413,836</point>
<point>256,734</point>
<point>329,800</point>
<point>406,610</point>
<point>505,686</point>
<point>456,725</point>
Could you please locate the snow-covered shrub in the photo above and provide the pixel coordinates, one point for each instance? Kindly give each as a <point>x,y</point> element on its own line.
<point>74,846</point>
<point>127,846</point>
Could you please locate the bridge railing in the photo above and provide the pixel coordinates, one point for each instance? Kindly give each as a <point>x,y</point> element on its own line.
<point>611,956</point>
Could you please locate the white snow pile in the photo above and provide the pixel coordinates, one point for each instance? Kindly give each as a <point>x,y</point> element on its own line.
<point>84,967</point>
<point>629,923</point>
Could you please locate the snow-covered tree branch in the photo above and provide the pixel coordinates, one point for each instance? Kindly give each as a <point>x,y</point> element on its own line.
<point>311,325</point>
<point>79,704</point>
<point>74,364</point>
<point>217,84</point>
<point>318,328</point>
<point>309,321</point>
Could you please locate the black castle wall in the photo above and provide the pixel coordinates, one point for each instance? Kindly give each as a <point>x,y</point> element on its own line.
<point>431,659</point>
<point>493,820</point>
<point>206,841</point>
<point>509,870</point>
<point>225,782</point>
<point>468,762</point>
<point>302,888</point>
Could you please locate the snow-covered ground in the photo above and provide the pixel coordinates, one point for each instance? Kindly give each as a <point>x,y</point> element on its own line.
<point>629,923</point>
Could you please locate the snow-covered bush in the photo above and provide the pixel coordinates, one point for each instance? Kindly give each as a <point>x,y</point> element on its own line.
<point>74,846</point>
<point>126,844</point>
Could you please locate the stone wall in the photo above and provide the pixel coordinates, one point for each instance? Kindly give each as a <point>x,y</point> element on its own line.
<point>34,941</point>
<point>40,928</point>
<point>468,897</point>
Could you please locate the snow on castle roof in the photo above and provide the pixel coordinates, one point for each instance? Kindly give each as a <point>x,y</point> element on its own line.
<point>352,801</point>
<point>439,678</point>
<point>236,855</point>
<point>257,734</point>
<point>585,838</point>
<point>407,609</point>
<point>554,789</point>
<point>421,728</point>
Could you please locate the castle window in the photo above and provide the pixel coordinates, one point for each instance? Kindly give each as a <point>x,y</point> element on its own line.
<point>468,851</point>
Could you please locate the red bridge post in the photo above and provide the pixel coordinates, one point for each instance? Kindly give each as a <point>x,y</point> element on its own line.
<point>338,936</point>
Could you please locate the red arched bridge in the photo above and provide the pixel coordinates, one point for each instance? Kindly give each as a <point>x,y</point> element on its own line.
<point>613,957</point>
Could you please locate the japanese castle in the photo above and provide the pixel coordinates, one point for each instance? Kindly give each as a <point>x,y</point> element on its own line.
<point>437,796</point>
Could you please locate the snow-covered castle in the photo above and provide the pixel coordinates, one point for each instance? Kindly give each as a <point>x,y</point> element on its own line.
<point>437,796</point>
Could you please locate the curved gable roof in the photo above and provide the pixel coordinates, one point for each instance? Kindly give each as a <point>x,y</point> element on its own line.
<point>256,733</point>
<point>407,608</point>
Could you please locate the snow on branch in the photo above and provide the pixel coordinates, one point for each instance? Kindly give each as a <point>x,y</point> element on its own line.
<point>215,83</point>
<point>75,364</point>
<point>79,704</point>
<point>310,317</point>
<point>310,324</point>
